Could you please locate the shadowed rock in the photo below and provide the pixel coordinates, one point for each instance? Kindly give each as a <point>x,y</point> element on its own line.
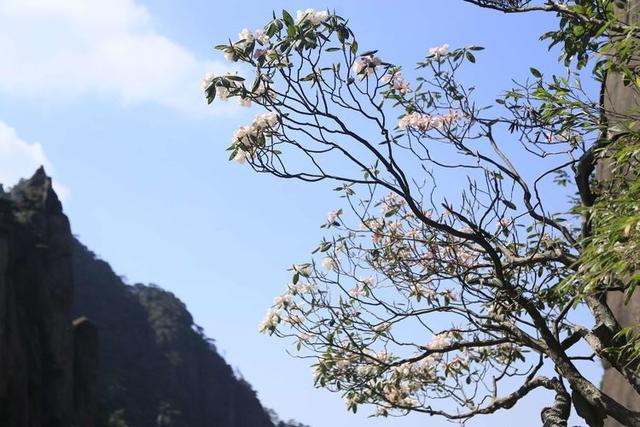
<point>36,291</point>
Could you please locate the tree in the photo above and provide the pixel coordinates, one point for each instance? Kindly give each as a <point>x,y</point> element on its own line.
<point>497,274</point>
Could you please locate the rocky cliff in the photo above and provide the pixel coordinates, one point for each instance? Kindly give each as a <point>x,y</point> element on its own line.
<point>621,100</point>
<point>132,357</point>
<point>39,354</point>
<point>156,366</point>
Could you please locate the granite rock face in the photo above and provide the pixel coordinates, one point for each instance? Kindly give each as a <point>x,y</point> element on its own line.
<point>139,362</point>
<point>621,100</point>
<point>156,366</point>
<point>36,290</point>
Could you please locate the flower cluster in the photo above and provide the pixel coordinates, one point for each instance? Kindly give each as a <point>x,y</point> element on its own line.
<point>439,51</point>
<point>328,263</point>
<point>226,86</point>
<point>245,43</point>
<point>207,81</point>
<point>312,16</point>
<point>366,65</point>
<point>440,341</point>
<point>285,309</point>
<point>332,215</point>
<point>247,138</point>
<point>270,321</point>
<point>424,122</point>
<point>397,82</point>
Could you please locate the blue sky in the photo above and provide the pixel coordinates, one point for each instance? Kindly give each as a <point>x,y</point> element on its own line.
<point>107,95</point>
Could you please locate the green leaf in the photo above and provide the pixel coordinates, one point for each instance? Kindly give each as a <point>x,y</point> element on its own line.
<point>470,57</point>
<point>537,74</point>
<point>235,78</point>
<point>369,52</point>
<point>286,17</point>
<point>509,204</point>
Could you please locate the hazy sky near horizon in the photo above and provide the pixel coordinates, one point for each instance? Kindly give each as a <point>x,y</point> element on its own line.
<point>106,94</point>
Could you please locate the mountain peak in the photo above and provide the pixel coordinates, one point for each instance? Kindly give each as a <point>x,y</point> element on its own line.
<point>37,193</point>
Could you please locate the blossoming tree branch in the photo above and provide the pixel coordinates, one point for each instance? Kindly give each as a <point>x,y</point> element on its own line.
<point>450,276</point>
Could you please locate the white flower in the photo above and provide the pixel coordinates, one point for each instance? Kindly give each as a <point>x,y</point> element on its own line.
<point>240,157</point>
<point>228,54</point>
<point>272,119</point>
<point>382,356</point>
<point>382,327</point>
<point>302,288</point>
<point>440,341</point>
<point>357,292</point>
<point>397,82</point>
<point>305,336</point>
<point>424,122</point>
<point>269,119</point>
<point>416,289</point>
<point>245,36</point>
<point>331,216</point>
<point>315,18</point>
<point>264,90</point>
<point>207,81</point>
<point>366,370</point>
<point>439,51</point>
<point>270,321</point>
<point>241,132</point>
<point>343,364</point>
<point>245,102</point>
<point>328,263</point>
<point>366,65</point>
<point>222,93</point>
<point>503,223</point>
<point>282,300</point>
<point>450,294</point>
<point>368,281</point>
<point>262,37</point>
<point>272,57</point>
<point>242,136</point>
<point>321,16</point>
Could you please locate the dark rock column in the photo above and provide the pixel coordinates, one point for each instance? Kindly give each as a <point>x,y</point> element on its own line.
<point>36,288</point>
<point>85,372</point>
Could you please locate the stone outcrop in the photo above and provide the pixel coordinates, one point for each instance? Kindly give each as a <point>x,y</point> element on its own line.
<point>37,386</point>
<point>139,362</point>
<point>620,101</point>
<point>85,372</point>
<point>156,365</point>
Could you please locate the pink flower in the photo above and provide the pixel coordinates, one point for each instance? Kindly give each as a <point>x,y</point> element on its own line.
<point>424,122</point>
<point>331,216</point>
<point>357,292</point>
<point>397,82</point>
<point>366,65</point>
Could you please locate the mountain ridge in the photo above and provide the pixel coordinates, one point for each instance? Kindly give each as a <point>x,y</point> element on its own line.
<point>80,347</point>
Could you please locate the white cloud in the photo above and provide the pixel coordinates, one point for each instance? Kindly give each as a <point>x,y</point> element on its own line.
<point>55,49</point>
<point>20,159</point>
